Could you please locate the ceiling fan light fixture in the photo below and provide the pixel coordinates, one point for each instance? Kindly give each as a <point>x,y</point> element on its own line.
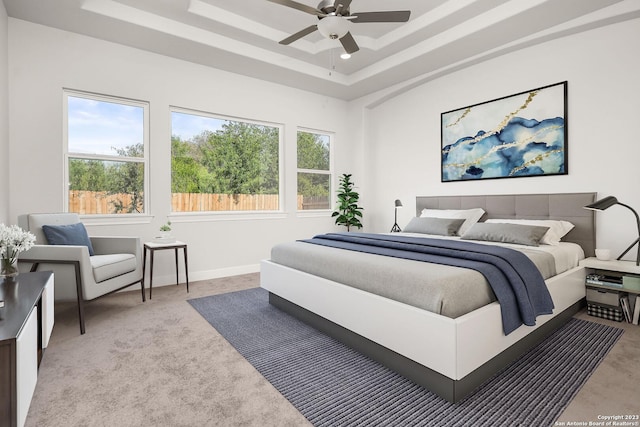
<point>333,27</point>
<point>345,55</point>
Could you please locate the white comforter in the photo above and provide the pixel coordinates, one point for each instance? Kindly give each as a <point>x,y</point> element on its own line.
<point>446,290</point>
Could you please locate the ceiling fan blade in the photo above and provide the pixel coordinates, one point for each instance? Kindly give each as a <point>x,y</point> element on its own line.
<point>299,6</point>
<point>349,44</point>
<point>386,16</point>
<point>299,34</point>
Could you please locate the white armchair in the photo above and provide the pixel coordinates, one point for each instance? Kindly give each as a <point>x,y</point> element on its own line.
<point>116,263</point>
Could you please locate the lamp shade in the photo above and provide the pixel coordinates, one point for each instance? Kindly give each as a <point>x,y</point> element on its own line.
<point>602,204</point>
<point>398,203</point>
<point>333,27</point>
<point>606,203</point>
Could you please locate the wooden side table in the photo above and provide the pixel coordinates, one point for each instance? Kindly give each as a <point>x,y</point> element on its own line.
<point>155,246</point>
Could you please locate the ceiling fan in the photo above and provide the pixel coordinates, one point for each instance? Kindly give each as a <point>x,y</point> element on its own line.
<point>336,18</point>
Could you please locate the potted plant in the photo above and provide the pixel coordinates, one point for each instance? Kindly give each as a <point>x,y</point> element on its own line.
<point>13,240</point>
<point>165,229</point>
<point>348,212</point>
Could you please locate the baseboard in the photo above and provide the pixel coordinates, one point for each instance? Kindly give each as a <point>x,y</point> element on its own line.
<point>170,279</point>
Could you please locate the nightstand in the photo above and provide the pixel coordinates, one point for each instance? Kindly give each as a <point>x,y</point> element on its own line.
<point>613,289</point>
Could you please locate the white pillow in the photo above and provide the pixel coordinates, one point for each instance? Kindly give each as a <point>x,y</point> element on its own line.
<point>557,228</point>
<point>471,216</point>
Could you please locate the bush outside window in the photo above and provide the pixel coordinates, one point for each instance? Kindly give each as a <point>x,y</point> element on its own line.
<point>106,159</point>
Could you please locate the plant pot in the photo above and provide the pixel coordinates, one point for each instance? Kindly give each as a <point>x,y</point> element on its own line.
<point>8,267</point>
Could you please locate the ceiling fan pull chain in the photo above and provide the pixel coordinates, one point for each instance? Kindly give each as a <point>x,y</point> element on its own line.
<point>332,62</point>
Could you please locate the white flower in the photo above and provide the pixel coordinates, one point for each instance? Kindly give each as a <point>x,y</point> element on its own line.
<point>14,240</point>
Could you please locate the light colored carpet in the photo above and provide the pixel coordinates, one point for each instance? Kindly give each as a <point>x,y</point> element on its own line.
<point>159,363</point>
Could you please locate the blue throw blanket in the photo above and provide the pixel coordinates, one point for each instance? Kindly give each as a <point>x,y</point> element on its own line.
<point>514,278</point>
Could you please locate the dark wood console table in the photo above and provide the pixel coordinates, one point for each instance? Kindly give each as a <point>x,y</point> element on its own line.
<point>26,320</point>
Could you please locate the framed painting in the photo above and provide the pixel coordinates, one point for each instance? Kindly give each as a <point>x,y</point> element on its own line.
<point>515,136</point>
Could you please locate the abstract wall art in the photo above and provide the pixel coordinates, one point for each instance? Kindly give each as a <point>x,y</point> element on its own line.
<point>515,136</point>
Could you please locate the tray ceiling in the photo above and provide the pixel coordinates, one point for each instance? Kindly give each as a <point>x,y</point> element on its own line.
<point>242,36</point>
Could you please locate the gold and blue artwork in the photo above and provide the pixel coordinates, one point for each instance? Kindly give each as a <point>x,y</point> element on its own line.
<point>516,136</point>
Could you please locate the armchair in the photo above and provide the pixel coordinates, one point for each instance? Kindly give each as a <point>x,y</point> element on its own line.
<point>114,265</point>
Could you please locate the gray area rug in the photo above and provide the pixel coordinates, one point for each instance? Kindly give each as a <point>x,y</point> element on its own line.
<point>331,384</point>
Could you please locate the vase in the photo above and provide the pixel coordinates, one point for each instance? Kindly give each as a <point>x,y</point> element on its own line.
<point>8,267</point>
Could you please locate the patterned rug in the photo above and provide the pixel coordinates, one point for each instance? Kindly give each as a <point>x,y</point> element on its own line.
<point>331,384</point>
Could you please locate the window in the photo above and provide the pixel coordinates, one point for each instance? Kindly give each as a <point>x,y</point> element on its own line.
<point>106,161</point>
<point>220,164</point>
<point>314,171</point>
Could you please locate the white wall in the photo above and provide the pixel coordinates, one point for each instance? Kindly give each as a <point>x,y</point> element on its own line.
<point>601,67</point>
<point>391,148</point>
<point>4,116</point>
<point>43,61</point>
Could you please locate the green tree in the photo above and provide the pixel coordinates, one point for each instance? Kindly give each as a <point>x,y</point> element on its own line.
<point>127,177</point>
<point>313,154</point>
<point>87,175</point>
<point>242,158</point>
<point>313,151</point>
<point>188,174</point>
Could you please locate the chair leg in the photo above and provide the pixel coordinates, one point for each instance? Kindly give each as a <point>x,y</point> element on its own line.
<point>80,297</point>
<point>79,293</point>
<point>142,287</point>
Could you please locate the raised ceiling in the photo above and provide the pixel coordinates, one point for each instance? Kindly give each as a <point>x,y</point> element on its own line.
<point>242,36</point>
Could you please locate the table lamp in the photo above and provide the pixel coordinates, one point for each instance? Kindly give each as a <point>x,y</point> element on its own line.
<point>606,203</point>
<point>395,227</point>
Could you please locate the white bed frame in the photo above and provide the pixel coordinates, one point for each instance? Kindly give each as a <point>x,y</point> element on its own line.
<point>448,356</point>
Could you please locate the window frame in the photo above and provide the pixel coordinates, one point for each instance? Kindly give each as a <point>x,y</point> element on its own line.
<point>68,155</point>
<point>329,172</point>
<point>230,214</point>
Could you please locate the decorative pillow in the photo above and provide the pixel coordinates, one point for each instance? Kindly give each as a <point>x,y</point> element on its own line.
<point>471,216</point>
<point>72,234</point>
<point>520,234</point>
<point>438,226</point>
<point>557,228</point>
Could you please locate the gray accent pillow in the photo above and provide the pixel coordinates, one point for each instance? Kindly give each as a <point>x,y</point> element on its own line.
<point>529,235</point>
<point>72,234</point>
<point>438,226</point>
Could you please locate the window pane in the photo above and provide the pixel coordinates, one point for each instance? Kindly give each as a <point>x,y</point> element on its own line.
<point>223,165</point>
<point>105,187</point>
<point>313,151</point>
<point>104,128</point>
<point>313,191</point>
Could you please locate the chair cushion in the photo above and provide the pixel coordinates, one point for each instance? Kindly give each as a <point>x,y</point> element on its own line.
<point>70,234</point>
<point>106,267</point>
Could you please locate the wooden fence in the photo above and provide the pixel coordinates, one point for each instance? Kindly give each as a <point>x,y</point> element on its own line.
<point>95,202</point>
<point>313,202</point>
<point>202,202</point>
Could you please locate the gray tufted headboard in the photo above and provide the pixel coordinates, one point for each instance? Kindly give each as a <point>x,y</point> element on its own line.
<point>567,206</point>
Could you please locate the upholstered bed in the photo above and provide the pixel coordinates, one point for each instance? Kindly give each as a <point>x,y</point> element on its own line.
<point>448,348</point>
